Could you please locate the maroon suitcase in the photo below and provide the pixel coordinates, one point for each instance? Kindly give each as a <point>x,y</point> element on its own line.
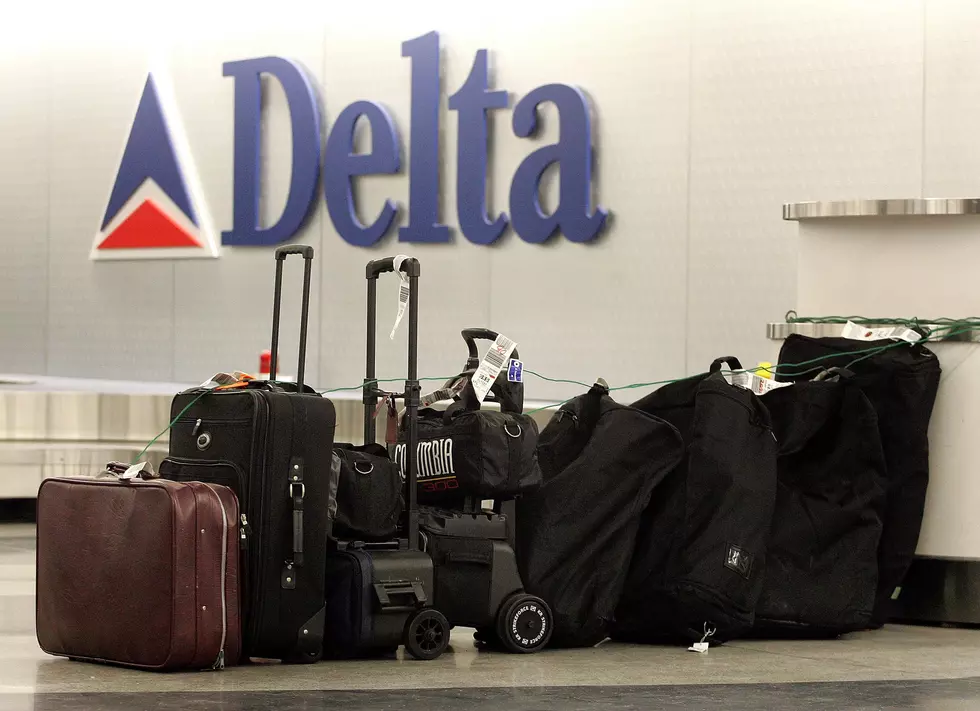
<point>138,573</point>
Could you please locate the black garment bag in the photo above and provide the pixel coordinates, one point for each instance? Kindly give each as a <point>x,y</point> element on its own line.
<point>822,563</point>
<point>600,462</point>
<point>700,557</point>
<point>901,383</point>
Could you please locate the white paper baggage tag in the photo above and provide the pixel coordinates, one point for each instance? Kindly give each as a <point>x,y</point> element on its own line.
<point>857,332</point>
<point>703,646</point>
<point>404,289</point>
<point>491,365</point>
<point>754,382</point>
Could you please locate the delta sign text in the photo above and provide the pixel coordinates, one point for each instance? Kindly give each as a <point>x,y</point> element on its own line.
<point>156,200</point>
<point>574,217</point>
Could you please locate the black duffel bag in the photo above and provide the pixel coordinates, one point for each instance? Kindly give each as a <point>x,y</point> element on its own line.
<point>700,557</point>
<point>822,561</point>
<point>369,494</point>
<point>601,461</point>
<point>901,382</point>
<point>466,451</point>
<point>474,453</point>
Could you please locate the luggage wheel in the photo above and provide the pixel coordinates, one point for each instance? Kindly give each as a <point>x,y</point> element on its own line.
<point>524,624</point>
<point>426,634</point>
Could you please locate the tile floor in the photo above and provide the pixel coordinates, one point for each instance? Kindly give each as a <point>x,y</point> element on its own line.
<point>899,667</point>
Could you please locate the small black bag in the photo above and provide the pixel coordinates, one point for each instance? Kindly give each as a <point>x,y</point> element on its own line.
<point>465,451</point>
<point>370,497</point>
<point>901,383</point>
<point>601,461</point>
<point>700,556</point>
<point>821,565</point>
<point>482,453</point>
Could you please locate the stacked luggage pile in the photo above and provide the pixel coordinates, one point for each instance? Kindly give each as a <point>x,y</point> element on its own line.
<point>701,513</point>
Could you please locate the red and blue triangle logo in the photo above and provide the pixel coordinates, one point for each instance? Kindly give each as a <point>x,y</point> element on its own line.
<point>155,209</point>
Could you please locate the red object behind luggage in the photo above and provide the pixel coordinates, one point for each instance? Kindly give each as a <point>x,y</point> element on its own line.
<point>138,573</point>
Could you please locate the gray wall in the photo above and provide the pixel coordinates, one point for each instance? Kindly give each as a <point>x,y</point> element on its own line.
<point>710,115</point>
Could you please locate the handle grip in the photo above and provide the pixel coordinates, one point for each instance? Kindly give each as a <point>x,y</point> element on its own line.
<point>376,267</point>
<point>471,335</point>
<point>732,362</point>
<point>286,250</point>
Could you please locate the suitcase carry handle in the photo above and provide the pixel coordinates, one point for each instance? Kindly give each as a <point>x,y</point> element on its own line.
<point>471,335</point>
<point>408,595</point>
<point>281,254</point>
<point>303,249</point>
<point>510,396</point>
<point>409,266</point>
<point>378,267</point>
<point>731,361</point>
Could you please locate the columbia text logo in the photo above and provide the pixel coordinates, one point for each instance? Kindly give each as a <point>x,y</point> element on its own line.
<point>435,458</point>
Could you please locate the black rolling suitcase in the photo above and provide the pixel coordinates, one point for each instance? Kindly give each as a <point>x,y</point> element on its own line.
<point>477,582</point>
<point>380,594</point>
<point>271,443</point>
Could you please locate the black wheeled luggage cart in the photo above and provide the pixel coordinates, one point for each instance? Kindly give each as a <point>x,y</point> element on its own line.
<point>380,594</point>
<point>477,581</point>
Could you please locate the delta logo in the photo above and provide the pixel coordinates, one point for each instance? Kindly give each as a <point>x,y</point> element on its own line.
<point>156,208</point>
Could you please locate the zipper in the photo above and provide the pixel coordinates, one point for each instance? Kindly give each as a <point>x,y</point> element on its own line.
<point>211,421</point>
<point>244,530</point>
<point>260,438</point>
<point>219,663</point>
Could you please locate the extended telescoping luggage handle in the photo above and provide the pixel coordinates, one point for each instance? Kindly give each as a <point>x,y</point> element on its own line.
<point>408,266</point>
<point>281,254</point>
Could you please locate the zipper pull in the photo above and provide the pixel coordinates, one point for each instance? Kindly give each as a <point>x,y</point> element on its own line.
<point>197,426</point>
<point>219,663</point>
<point>244,531</point>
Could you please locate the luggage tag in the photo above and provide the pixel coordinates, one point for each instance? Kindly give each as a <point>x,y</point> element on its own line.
<point>125,472</point>
<point>391,432</point>
<point>403,291</point>
<point>702,646</point>
<point>491,365</point>
<point>753,381</point>
<point>449,391</point>
<point>856,332</point>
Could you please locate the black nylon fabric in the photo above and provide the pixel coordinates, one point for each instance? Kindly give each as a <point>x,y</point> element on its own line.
<point>260,432</point>
<point>575,535</point>
<point>901,384</point>
<point>701,551</point>
<point>482,453</point>
<point>822,567</point>
<point>370,497</point>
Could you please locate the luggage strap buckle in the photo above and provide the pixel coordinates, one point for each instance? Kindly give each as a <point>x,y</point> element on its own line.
<point>297,492</point>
